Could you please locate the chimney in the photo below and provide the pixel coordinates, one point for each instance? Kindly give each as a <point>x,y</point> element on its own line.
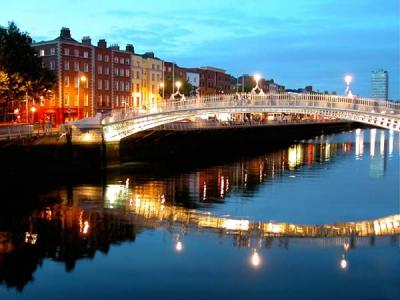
<point>148,55</point>
<point>86,40</point>
<point>114,47</point>
<point>65,33</point>
<point>102,44</point>
<point>130,48</point>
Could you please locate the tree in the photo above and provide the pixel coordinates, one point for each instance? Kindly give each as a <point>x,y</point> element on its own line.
<point>186,88</point>
<point>21,69</point>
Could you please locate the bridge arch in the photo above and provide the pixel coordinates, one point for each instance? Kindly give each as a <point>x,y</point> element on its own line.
<point>384,114</point>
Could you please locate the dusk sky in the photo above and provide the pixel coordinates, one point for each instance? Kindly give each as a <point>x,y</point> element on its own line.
<point>295,42</point>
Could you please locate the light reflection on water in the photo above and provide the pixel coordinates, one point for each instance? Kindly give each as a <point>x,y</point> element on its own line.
<point>317,208</point>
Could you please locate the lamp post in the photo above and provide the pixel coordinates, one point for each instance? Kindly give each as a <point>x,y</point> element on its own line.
<point>162,85</point>
<point>348,79</point>
<point>257,78</point>
<point>83,79</point>
<point>178,85</point>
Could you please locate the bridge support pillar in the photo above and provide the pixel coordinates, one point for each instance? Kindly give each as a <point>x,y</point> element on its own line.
<point>111,153</point>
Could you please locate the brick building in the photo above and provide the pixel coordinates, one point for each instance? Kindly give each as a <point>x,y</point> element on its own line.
<point>89,78</point>
<point>212,80</point>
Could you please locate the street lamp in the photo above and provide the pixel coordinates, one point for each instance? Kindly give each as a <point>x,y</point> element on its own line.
<point>83,79</point>
<point>254,90</point>
<point>178,85</point>
<point>162,85</point>
<point>348,79</point>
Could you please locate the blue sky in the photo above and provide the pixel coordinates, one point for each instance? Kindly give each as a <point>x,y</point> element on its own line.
<point>296,42</point>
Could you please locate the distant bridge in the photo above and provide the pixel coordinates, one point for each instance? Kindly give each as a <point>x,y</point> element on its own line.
<point>379,113</point>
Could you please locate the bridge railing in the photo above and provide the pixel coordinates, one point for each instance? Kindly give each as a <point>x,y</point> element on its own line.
<point>284,100</point>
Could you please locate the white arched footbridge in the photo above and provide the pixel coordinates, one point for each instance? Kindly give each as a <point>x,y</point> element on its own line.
<point>384,114</point>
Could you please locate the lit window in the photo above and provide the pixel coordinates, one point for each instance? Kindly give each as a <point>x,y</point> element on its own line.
<point>66,65</point>
<point>85,67</point>
<point>66,81</point>
<point>85,54</point>
<point>86,103</point>
<point>41,52</point>
<point>67,99</point>
<point>100,70</point>
<point>66,51</point>
<point>99,57</point>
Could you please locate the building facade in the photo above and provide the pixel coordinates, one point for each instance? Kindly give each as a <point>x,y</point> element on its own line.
<point>147,79</point>
<point>380,84</point>
<point>90,79</point>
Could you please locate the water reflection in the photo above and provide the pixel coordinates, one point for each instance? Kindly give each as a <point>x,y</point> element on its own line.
<point>91,219</point>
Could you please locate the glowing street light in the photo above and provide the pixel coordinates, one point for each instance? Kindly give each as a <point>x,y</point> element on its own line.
<point>254,90</point>
<point>83,79</point>
<point>162,85</point>
<point>178,85</point>
<point>348,79</point>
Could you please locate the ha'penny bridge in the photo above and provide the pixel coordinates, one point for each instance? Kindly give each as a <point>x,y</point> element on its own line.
<point>121,124</point>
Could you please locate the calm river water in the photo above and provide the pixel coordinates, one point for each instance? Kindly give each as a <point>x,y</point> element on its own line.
<point>317,220</point>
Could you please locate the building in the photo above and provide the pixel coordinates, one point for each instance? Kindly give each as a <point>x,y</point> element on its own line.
<point>380,84</point>
<point>147,78</point>
<point>212,80</point>
<point>89,78</point>
<point>246,83</point>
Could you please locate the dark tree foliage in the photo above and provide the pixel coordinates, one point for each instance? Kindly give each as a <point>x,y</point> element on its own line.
<point>21,70</point>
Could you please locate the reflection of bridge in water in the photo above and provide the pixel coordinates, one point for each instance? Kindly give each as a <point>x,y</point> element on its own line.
<point>92,218</point>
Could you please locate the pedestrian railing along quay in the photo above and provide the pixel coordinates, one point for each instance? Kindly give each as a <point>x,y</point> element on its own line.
<point>384,114</point>
<point>20,131</point>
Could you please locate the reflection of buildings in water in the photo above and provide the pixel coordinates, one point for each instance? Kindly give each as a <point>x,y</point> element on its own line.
<point>359,143</point>
<point>377,167</point>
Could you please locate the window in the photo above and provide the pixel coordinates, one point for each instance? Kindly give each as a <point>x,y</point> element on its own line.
<point>137,75</point>
<point>116,85</point>
<point>107,71</point>
<point>52,65</point>
<point>107,100</point>
<point>66,51</point>
<point>106,85</point>
<point>106,58</point>
<point>76,101</point>
<point>52,51</point>
<point>121,61</point>
<point>116,71</point>
<point>99,70</point>
<point>153,77</point>
<point>116,60</point>
<point>86,54</point>
<point>41,52</point>
<point>76,52</point>
<point>67,99</point>
<point>158,77</point>
<point>66,81</point>
<point>158,67</point>
<point>121,86</point>
<point>99,57</point>
<point>137,87</point>
<point>121,72</point>
<point>85,67</point>
<point>66,65</point>
<point>100,84</point>
<point>76,66</point>
<point>100,101</point>
<point>152,88</point>
<point>127,72</point>
<point>127,87</point>
<point>152,67</point>
<point>86,100</point>
<point>128,61</point>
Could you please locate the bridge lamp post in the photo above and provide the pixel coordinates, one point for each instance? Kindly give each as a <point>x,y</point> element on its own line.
<point>83,79</point>
<point>254,90</point>
<point>348,79</point>
<point>178,85</point>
